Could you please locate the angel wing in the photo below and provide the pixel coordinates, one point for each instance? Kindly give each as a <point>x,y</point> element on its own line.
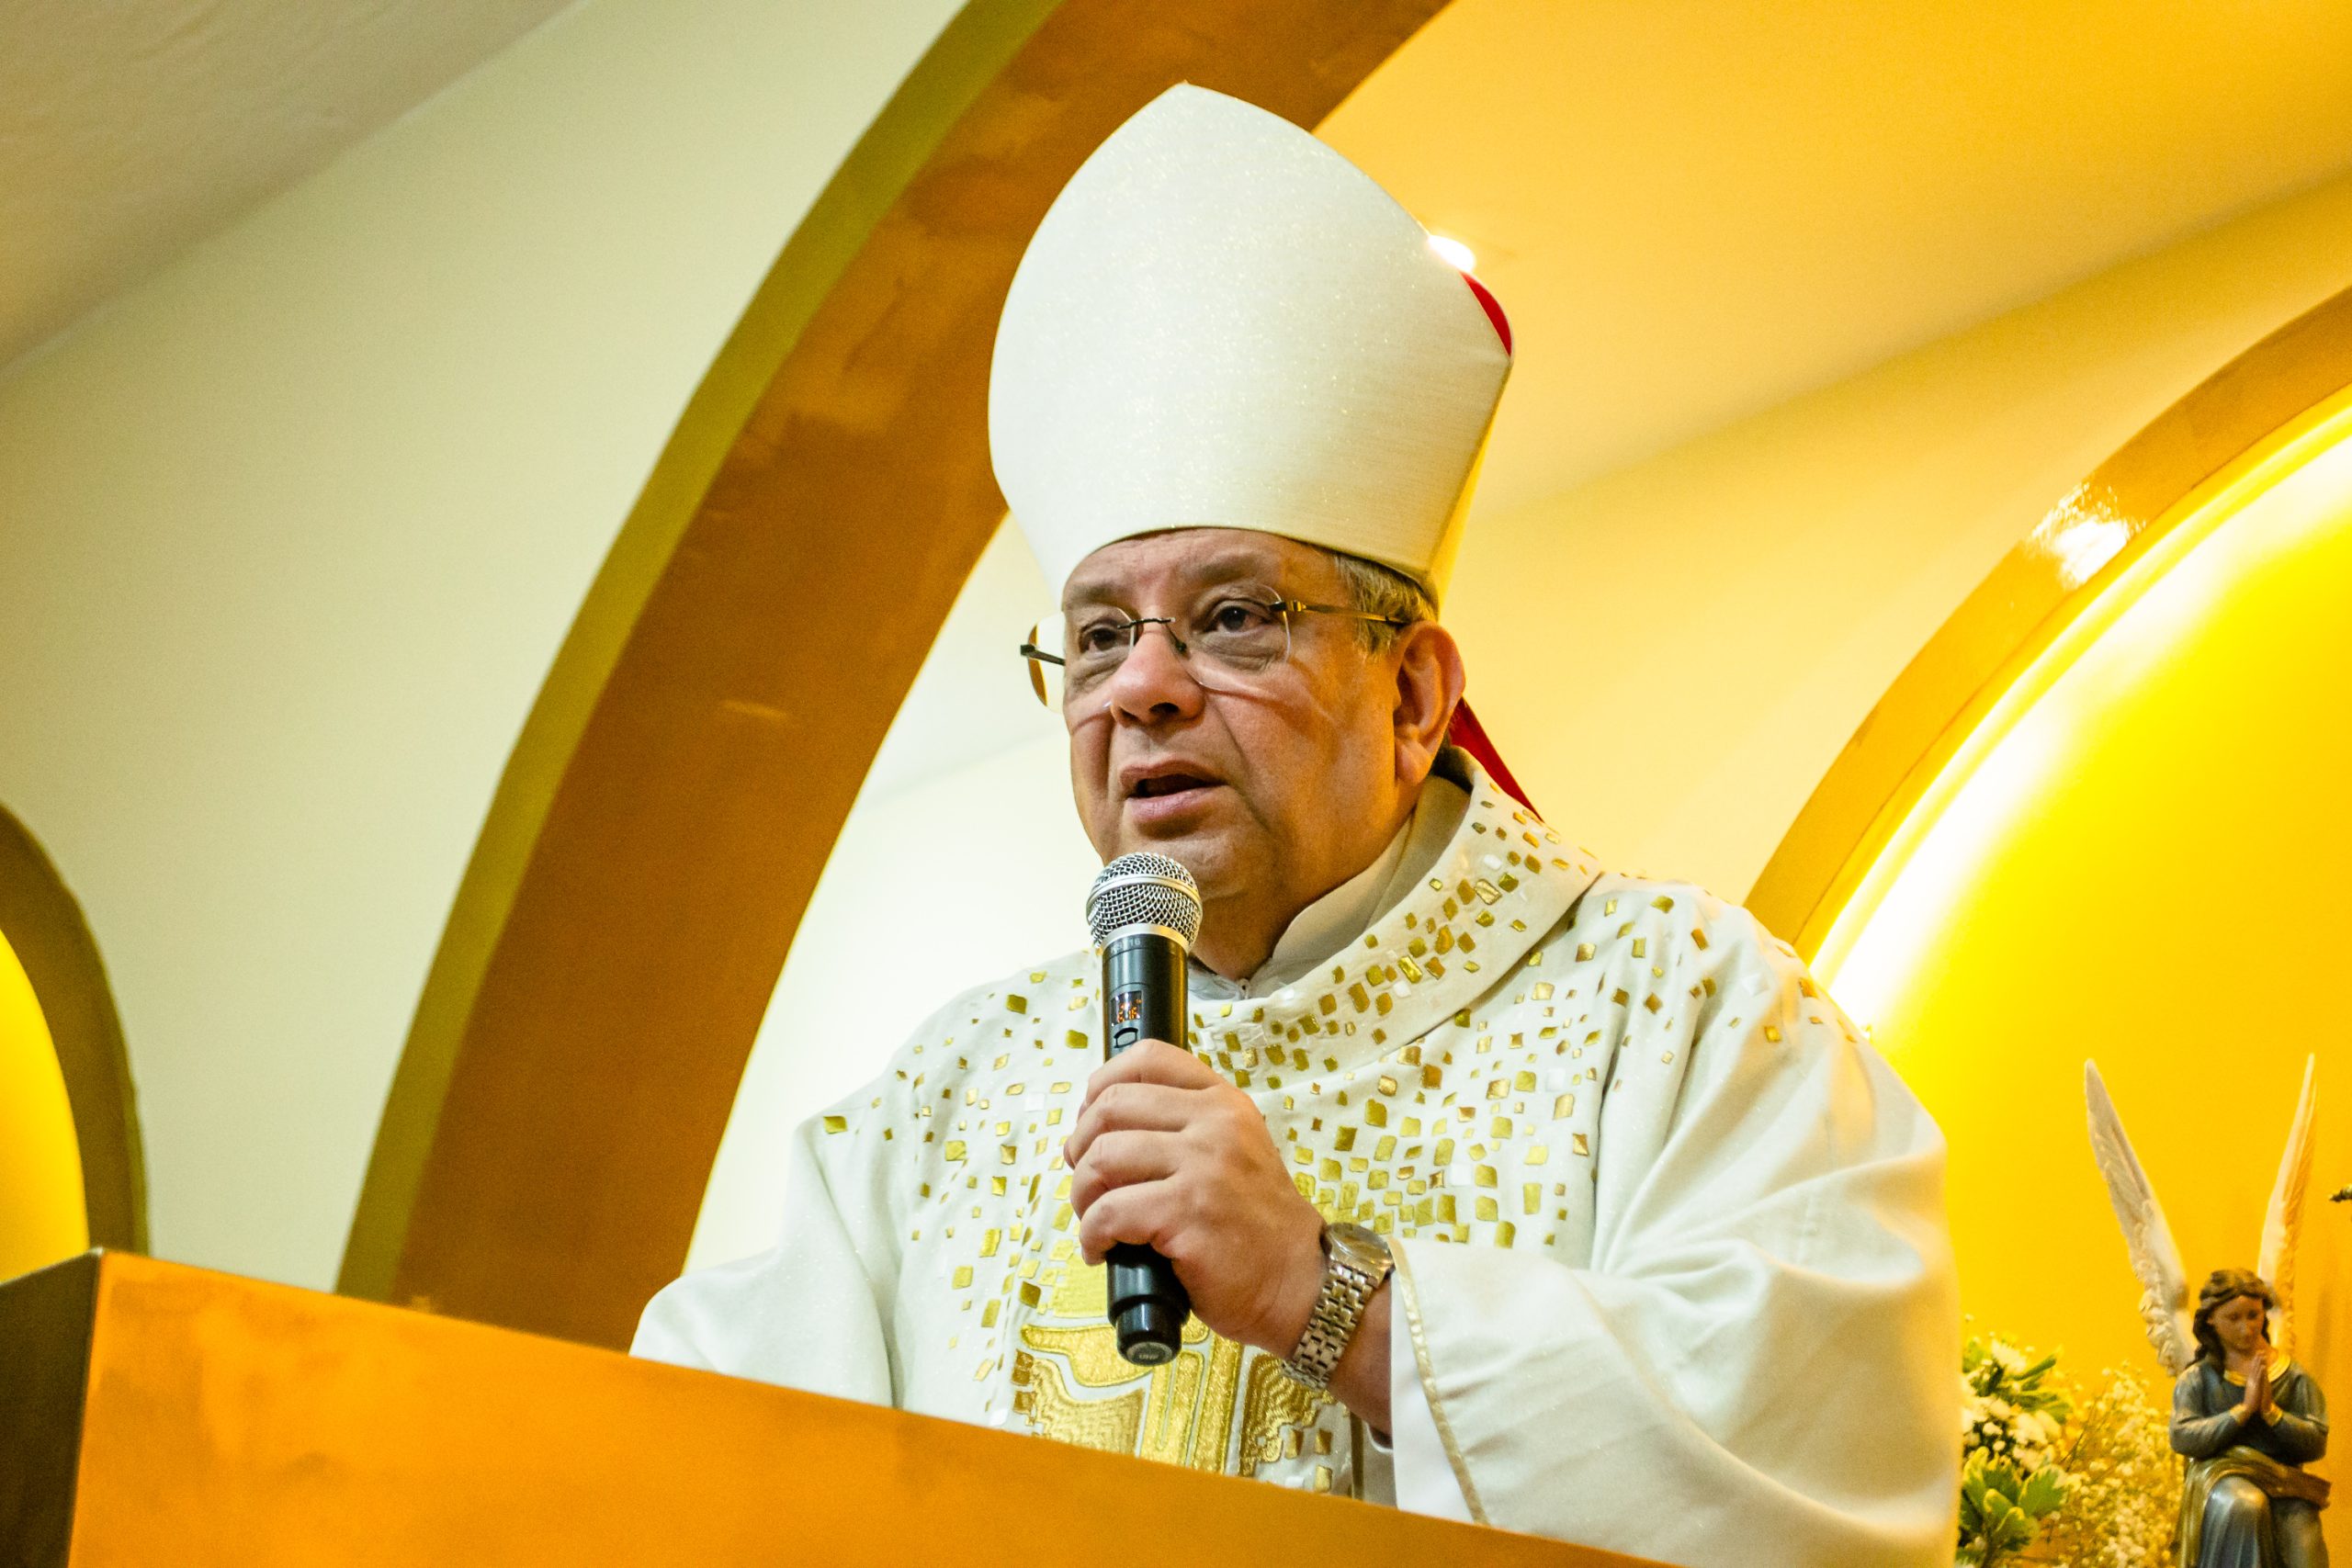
<point>2284,1222</point>
<point>2164,1299</point>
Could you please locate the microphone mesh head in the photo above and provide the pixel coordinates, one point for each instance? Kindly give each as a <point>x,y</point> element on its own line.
<point>1144,890</point>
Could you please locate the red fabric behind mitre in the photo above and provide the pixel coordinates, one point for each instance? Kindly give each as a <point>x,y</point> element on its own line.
<point>1471,736</point>
<point>1494,308</point>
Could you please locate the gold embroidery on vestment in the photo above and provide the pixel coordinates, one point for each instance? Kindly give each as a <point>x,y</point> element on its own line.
<point>1072,1385</point>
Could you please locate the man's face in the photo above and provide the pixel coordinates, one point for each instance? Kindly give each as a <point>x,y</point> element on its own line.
<point>1276,784</point>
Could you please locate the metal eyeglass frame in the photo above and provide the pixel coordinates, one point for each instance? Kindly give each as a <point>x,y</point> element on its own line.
<point>1034,656</point>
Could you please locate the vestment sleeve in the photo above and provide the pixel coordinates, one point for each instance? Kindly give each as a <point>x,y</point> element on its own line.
<point>1761,1346</point>
<point>2198,1433</point>
<point>813,1310</point>
<point>1420,1477</point>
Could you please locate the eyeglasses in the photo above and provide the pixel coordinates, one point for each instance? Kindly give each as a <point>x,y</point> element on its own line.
<point>1227,635</point>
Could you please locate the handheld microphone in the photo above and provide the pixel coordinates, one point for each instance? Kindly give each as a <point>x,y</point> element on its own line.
<point>1144,913</point>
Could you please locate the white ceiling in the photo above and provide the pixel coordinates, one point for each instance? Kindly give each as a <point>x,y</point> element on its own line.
<point>131,128</point>
<point>1695,210</point>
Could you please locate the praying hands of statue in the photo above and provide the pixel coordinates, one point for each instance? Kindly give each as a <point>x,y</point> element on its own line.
<point>2257,1385</point>
<point>1167,1153</point>
<point>2256,1371</point>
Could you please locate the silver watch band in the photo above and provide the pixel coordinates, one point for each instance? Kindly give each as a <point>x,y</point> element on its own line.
<point>1355,1264</point>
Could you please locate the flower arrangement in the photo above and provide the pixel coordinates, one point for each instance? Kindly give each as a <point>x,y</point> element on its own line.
<point>2045,1479</point>
<point>2012,1416</point>
<point>2124,1504</point>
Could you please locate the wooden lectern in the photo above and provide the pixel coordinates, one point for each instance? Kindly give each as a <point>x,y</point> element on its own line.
<point>152,1413</point>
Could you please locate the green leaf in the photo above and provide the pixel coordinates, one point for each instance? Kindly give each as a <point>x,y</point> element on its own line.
<point>2045,1490</point>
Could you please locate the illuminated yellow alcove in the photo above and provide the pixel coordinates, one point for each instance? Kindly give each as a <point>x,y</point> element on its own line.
<point>2141,856</point>
<point>42,1217</point>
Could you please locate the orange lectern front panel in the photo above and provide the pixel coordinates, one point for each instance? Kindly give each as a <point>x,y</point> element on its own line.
<point>154,1414</point>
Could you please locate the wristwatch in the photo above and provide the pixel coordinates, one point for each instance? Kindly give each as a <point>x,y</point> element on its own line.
<point>1355,1263</point>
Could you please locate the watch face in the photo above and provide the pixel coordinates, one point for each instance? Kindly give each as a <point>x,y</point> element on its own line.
<point>1360,1249</point>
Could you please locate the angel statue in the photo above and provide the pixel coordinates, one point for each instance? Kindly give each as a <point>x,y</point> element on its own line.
<point>2244,1415</point>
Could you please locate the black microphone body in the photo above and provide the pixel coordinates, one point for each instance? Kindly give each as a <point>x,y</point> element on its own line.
<point>1143,998</point>
<point>1143,913</point>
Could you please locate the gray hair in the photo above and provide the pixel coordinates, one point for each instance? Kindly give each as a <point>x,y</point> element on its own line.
<point>1382,590</point>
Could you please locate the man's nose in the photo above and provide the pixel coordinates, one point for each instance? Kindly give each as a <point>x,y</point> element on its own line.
<point>1153,682</point>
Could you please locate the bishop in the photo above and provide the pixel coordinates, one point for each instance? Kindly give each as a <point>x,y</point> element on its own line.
<point>1608,1223</point>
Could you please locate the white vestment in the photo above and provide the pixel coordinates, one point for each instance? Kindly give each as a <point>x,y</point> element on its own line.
<point>1672,1272</point>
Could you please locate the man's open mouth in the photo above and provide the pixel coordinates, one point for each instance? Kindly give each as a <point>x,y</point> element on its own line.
<point>1168,783</point>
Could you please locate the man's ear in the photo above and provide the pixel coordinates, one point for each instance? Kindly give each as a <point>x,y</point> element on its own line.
<point>1429,688</point>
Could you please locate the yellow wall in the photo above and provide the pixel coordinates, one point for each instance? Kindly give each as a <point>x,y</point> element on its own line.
<point>288,536</point>
<point>1673,655</point>
<point>40,1165</point>
<point>2141,858</point>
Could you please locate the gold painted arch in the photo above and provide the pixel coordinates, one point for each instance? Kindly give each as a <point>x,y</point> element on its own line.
<point>699,741</point>
<point>42,925</point>
<point>2086,542</point>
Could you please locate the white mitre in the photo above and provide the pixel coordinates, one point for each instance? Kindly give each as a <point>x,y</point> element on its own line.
<point>1223,323</point>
